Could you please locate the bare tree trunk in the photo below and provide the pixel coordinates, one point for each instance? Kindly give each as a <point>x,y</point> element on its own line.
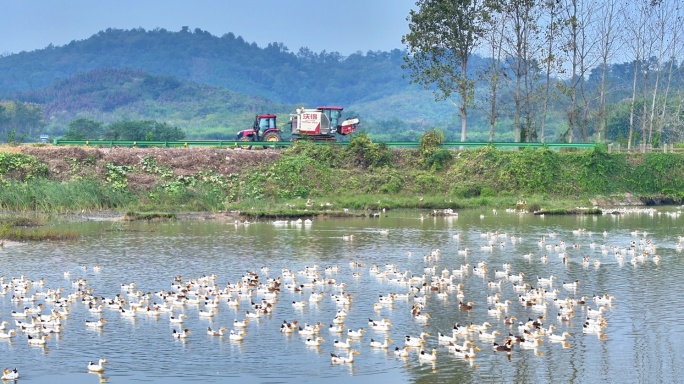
<point>496,61</point>
<point>549,60</point>
<point>464,100</point>
<point>667,91</point>
<point>631,109</point>
<point>661,21</point>
<point>516,118</point>
<point>607,38</point>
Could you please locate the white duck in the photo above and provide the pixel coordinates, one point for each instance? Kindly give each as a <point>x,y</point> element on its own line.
<point>402,352</point>
<point>315,342</point>
<point>428,356</point>
<point>38,340</point>
<point>377,344</point>
<point>181,335</point>
<point>237,336</point>
<point>341,360</point>
<point>342,344</point>
<point>92,367</point>
<point>177,320</point>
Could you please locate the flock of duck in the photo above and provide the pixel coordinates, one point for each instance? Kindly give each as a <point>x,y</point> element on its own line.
<point>257,295</point>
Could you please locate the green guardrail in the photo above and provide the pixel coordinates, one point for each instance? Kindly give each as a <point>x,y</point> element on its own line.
<point>237,144</point>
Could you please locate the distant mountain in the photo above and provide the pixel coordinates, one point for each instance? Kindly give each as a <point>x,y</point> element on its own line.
<point>228,61</point>
<point>110,94</point>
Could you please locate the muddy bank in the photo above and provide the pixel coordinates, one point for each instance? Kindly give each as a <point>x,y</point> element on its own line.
<point>66,162</point>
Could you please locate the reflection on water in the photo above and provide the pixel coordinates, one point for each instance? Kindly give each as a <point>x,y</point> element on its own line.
<point>641,344</point>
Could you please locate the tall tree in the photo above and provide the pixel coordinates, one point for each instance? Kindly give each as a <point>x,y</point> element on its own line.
<point>635,22</point>
<point>444,34</point>
<point>549,56</point>
<point>608,33</point>
<point>494,37</point>
<point>521,26</point>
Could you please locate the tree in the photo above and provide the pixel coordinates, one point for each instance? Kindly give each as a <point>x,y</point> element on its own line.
<point>608,39</point>
<point>142,130</point>
<point>522,28</point>
<point>549,58</point>
<point>83,129</point>
<point>494,37</point>
<point>21,118</point>
<point>444,34</point>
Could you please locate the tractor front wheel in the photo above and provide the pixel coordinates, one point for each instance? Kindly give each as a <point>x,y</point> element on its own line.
<point>246,138</point>
<point>271,136</point>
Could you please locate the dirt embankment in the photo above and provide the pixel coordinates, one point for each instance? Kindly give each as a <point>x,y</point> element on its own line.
<point>66,163</point>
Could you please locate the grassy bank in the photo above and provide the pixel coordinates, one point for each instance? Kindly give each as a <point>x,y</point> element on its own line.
<point>24,228</point>
<point>361,176</point>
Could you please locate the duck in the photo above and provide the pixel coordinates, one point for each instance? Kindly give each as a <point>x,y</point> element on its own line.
<point>315,342</point>
<point>445,338</point>
<point>336,359</point>
<point>416,341</point>
<point>485,335</point>
<point>482,327</point>
<point>562,337</point>
<point>97,309</point>
<point>427,356</point>
<point>358,333</point>
<point>10,375</point>
<point>572,285</point>
<point>402,352</point>
<point>299,304</point>
<point>336,329</point>
<point>342,344</point>
<point>207,313</point>
<point>177,320</point>
<point>507,346</point>
<point>8,334</point>
<point>237,336</point>
<point>95,324</point>
<point>509,320</point>
<point>530,343</point>
<point>467,306</point>
<point>211,332</point>
<point>377,344</point>
<point>32,340</point>
<point>181,335</point>
<point>467,355</point>
<point>240,324</point>
<point>92,367</point>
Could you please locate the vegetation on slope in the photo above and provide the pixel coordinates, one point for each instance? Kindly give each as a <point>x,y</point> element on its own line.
<point>108,95</point>
<point>361,175</point>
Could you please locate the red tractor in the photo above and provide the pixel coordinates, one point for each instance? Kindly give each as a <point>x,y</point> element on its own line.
<point>265,124</point>
<point>320,124</point>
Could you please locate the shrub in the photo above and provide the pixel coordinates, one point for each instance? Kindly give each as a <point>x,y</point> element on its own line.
<point>488,192</point>
<point>368,154</point>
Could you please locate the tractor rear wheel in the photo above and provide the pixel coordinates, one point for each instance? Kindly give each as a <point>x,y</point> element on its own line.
<point>271,136</point>
<point>246,138</point>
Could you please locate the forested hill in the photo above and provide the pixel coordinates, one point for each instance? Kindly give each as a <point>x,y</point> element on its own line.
<point>273,72</point>
<point>109,95</point>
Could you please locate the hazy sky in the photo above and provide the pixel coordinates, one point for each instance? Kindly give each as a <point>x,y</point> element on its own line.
<point>334,25</point>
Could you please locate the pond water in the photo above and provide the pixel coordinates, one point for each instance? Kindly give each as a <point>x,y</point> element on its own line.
<point>642,342</point>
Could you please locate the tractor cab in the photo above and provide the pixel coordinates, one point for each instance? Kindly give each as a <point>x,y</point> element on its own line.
<point>264,129</point>
<point>334,115</point>
<point>265,122</point>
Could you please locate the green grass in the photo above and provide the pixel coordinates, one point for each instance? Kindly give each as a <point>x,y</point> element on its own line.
<point>53,196</point>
